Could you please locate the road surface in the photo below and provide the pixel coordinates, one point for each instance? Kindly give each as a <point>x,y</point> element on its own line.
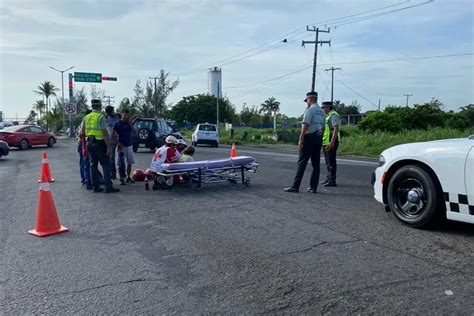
<point>226,249</point>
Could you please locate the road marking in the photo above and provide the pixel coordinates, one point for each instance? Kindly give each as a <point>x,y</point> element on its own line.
<point>343,161</point>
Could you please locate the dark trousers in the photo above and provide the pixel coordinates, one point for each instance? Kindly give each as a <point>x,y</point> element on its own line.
<point>98,154</point>
<point>113,169</point>
<point>311,150</point>
<point>331,164</point>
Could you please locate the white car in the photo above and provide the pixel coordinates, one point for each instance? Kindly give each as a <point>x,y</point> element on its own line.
<point>423,182</point>
<point>205,134</point>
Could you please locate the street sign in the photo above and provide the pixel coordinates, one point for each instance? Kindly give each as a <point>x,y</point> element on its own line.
<point>109,78</point>
<point>70,108</point>
<point>87,77</point>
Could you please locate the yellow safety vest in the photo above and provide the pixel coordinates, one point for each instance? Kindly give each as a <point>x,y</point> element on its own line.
<point>92,125</point>
<point>327,129</point>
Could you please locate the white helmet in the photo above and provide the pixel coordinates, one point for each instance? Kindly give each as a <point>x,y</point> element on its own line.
<point>182,142</point>
<point>171,140</point>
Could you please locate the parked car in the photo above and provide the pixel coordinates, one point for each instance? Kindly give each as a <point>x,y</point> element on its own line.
<point>26,136</point>
<point>151,133</point>
<point>4,149</point>
<point>423,182</point>
<point>205,134</point>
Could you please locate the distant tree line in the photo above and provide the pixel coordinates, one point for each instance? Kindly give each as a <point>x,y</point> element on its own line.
<point>421,116</point>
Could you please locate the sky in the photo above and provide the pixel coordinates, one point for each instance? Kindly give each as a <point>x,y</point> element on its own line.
<point>132,40</point>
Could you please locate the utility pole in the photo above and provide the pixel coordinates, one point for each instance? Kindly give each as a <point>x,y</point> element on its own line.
<point>379,105</point>
<point>156,105</point>
<point>316,42</point>
<point>109,101</point>
<point>332,69</point>
<point>217,112</point>
<point>62,90</point>
<point>408,95</point>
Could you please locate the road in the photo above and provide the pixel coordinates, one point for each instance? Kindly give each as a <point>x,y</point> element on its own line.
<point>226,249</point>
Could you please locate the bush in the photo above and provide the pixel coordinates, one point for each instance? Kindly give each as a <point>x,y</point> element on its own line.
<point>381,121</point>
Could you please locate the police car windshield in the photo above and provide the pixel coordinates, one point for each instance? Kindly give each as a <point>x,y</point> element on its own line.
<point>207,128</point>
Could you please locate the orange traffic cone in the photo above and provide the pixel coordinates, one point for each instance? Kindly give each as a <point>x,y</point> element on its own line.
<point>233,152</point>
<point>45,169</point>
<point>47,221</point>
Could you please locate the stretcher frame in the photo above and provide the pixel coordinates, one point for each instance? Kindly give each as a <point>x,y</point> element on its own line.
<point>200,176</point>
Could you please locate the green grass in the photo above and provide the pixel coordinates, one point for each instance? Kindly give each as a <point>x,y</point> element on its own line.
<point>353,142</point>
<point>358,143</point>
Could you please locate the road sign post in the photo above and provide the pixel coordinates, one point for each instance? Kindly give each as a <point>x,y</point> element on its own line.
<point>71,109</point>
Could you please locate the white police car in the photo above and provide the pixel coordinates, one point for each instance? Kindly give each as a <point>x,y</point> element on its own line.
<point>423,182</point>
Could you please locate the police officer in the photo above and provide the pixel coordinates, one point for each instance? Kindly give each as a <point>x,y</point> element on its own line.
<point>310,143</point>
<point>330,143</point>
<point>94,127</point>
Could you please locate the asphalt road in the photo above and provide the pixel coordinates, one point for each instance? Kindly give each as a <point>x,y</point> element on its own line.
<point>226,249</point>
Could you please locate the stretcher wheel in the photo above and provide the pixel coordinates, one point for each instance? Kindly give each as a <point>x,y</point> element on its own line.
<point>247,183</point>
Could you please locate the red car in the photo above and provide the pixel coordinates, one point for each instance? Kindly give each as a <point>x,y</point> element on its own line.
<point>26,136</point>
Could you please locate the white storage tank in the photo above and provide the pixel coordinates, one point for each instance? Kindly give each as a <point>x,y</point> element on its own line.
<point>215,82</point>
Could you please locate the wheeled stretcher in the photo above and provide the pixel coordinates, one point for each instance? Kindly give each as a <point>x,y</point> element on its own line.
<point>230,170</point>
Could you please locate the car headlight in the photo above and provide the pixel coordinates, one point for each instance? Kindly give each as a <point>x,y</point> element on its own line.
<point>381,160</point>
<point>157,135</point>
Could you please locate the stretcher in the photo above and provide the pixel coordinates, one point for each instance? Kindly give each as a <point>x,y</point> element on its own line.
<point>231,170</point>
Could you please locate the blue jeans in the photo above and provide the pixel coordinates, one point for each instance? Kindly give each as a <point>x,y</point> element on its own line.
<point>84,165</point>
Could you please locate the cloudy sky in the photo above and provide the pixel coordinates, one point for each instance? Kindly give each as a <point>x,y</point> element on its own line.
<point>133,40</point>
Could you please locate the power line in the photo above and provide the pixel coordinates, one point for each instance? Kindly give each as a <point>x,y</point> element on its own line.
<point>359,94</point>
<point>277,43</point>
<point>381,14</point>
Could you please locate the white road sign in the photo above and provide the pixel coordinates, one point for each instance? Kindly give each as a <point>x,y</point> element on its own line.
<point>70,108</point>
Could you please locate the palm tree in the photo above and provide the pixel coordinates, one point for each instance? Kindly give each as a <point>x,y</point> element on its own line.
<point>47,89</point>
<point>271,106</point>
<point>39,106</point>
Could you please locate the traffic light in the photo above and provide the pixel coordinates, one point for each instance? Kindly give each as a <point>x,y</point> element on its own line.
<point>71,86</point>
<point>109,78</point>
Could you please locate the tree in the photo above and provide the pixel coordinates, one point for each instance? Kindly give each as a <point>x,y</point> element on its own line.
<point>80,98</point>
<point>156,93</point>
<point>343,109</point>
<point>31,119</point>
<point>97,93</point>
<point>54,118</point>
<point>250,116</point>
<point>47,89</point>
<point>202,108</point>
<point>40,107</point>
<point>125,104</point>
<point>270,106</point>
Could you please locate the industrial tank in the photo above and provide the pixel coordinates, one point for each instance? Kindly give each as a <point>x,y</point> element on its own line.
<point>215,82</point>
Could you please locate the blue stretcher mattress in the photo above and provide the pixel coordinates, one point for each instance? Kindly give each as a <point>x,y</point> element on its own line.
<point>235,162</point>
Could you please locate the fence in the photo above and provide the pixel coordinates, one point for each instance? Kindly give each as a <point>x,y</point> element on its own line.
<point>352,119</point>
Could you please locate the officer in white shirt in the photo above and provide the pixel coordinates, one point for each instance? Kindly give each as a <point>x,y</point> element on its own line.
<point>310,143</point>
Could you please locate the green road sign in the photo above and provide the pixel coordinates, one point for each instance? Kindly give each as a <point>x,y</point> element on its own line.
<point>87,77</point>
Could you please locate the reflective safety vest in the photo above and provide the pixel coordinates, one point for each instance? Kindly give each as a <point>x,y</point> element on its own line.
<point>328,129</point>
<point>92,125</point>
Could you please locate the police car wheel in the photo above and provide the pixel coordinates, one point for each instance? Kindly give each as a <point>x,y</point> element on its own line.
<point>413,197</point>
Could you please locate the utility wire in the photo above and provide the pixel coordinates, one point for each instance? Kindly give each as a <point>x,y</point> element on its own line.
<point>278,43</point>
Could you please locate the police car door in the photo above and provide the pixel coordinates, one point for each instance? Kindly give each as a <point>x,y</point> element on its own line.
<point>469,180</point>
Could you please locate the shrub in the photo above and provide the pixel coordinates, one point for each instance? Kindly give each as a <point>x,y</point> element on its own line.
<point>381,121</point>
